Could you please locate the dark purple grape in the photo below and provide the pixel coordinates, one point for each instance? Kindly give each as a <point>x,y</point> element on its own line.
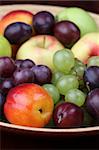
<point>92,103</point>
<point>7,67</point>
<point>23,76</point>
<point>43,22</point>
<point>18,62</point>
<point>67,33</point>
<point>91,77</point>
<point>6,85</point>
<point>27,63</point>
<point>42,74</point>
<point>68,115</point>
<point>18,32</point>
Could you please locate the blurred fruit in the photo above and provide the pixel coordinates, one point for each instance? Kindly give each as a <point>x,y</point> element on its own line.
<point>2,101</point>
<point>91,77</point>
<point>80,17</point>
<point>63,60</point>
<point>86,47</point>
<point>67,115</point>
<point>27,63</point>
<point>93,61</point>
<point>15,16</point>
<point>88,120</point>
<point>43,22</point>
<point>5,47</point>
<point>75,96</point>
<point>53,91</point>
<point>6,85</point>
<point>42,73</point>
<point>56,76</point>
<point>24,75</point>
<point>40,49</point>
<point>67,33</point>
<point>18,32</point>
<point>7,67</point>
<point>18,62</point>
<point>78,69</point>
<point>31,103</point>
<point>92,103</point>
<point>67,82</point>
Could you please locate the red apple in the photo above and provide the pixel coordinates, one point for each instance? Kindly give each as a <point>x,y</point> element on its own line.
<point>28,105</point>
<point>15,16</point>
<point>40,49</point>
<point>86,47</point>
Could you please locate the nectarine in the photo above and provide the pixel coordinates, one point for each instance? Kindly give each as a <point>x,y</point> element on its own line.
<point>28,105</point>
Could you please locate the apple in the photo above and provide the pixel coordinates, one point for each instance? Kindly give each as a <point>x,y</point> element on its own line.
<point>28,105</point>
<point>15,16</point>
<point>40,49</point>
<point>87,47</point>
<point>80,17</point>
<point>5,47</point>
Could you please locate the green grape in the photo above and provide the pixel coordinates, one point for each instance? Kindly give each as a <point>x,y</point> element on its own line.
<point>66,83</point>
<point>53,91</point>
<point>56,76</point>
<point>93,61</point>
<point>78,69</point>
<point>75,96</point>
<point>63,60</point>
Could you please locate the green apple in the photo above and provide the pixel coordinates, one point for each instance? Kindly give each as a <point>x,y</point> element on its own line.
<point>5,47</point>
<point>87,47</point>
<point>40,49</point>
<point>80,17</point>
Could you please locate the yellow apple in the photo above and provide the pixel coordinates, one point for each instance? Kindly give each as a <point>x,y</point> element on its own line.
<point>40,49</point>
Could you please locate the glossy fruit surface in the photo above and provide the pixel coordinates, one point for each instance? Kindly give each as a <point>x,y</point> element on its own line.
<point>63,60</point>
<point>27,63</point>
<point>67,82</point>
<point>53,91</point>
<point>6,85</point>
<point>15,16</point>
<point>80,17</point>
<point>91,77</point>
<point>75,96</point>
<point>67,115</point>
<point>93,61</point>
<point>7,67</point>
<point>28,105</point>
<point>18,62</point>
<point>92,103</point>
<point>43,22</point>
<point>67,33</point>
<point>56,76</point>
<point>23,76</point>
<point>42,74</point>
<point>18,32</point>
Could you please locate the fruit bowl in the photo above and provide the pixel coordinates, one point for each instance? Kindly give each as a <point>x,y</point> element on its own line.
<point>45,131</point>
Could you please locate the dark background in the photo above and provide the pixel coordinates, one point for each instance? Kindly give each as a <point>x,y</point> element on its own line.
<point>13,141</point>
<point>91,5</point>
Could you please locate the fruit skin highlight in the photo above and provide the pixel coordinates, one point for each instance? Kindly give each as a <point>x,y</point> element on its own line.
<point>80,17</point>
<point>87,47</point>
<point>28,105</point>
<point>5,47</point>
<point>15,16</point>
<point>40,49</point>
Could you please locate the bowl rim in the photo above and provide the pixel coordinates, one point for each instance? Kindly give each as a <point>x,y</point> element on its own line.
<point>73,130</point>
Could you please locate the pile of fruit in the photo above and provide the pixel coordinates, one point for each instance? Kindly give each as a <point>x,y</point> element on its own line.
<point>49,69</point>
